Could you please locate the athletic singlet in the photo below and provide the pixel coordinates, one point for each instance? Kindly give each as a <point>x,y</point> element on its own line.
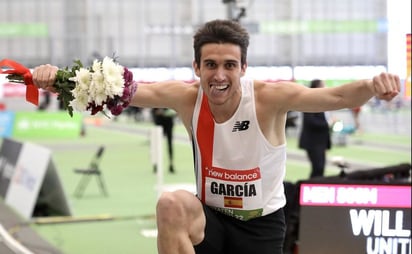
<point>238,172</point>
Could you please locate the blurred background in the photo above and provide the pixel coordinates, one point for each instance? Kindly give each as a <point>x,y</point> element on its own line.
<point>159,33</point>
<point>300,40</point>
<point>339,40</point>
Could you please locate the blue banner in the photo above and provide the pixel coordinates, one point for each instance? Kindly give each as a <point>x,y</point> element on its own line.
<point>6,123</point>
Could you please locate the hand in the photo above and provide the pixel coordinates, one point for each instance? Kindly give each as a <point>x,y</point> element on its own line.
<point>386,86</point>
<point>44,76</point>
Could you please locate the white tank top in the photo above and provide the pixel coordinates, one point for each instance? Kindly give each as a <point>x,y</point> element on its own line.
<point>238,172</point>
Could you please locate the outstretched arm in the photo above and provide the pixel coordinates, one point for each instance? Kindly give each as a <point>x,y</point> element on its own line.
<point>166,94</point>
<point>384,86</point>
<point>300,98</point>
<point>177,95</point>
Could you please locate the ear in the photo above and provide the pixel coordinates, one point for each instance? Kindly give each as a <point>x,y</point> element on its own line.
<point>196,68</point>
<point>243,70</point>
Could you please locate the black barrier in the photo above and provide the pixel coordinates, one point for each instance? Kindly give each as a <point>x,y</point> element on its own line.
<point>9,153</point>
<point>396,173</point>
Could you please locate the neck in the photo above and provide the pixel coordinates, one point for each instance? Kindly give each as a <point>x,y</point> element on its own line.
<point>223,112</point>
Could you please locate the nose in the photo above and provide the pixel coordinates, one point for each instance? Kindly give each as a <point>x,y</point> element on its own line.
<point>220,74</point>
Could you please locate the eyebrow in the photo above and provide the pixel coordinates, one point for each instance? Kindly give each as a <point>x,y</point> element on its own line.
<point>225,61</point>
<point>232,61</point>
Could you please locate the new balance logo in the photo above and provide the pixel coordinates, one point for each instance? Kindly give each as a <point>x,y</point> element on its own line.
<point>241,126</point>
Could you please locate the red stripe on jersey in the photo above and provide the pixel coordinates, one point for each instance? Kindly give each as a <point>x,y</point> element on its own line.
<point>205,136</point>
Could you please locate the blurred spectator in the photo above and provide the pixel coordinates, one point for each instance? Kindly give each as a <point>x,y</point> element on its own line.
<point>291,118</point>
<point>165,118</point>
<point>46,101</point>
<point>315,137</point>
<point>133,112</point>
<point>356,112</point>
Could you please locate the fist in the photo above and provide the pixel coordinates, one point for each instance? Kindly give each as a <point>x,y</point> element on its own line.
<point>44,76</point>
<point>386,86</point>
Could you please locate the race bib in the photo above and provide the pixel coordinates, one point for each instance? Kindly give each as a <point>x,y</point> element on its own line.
<point>237,193</point>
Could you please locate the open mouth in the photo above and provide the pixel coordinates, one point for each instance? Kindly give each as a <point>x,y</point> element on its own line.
<point>220,87</point>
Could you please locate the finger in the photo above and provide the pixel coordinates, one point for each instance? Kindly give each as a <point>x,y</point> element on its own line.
<point>44,76</point>
<point>396,83</point>
<point>37,76</point>
<point>48,75</point>
<point>393,85</point>
<point>378,85</point>
<point>387,84</point>
<point>388,97</point>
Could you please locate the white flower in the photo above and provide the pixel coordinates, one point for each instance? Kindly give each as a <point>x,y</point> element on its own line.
<point>100,97</point>
<point>80,101</point>
<point>97,87</point>
<point>97,76</point>
<point>97,66</point>
<point>82,78</point>
<point>114,88</point>
<point>113,76</point>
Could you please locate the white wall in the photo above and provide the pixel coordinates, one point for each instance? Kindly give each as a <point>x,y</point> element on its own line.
<point>399,24</point>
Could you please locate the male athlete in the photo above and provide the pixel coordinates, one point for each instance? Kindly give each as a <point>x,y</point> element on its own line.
<point>238,131</point>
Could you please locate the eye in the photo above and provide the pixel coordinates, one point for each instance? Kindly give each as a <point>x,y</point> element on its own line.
<point>230,65</point>
<point>210,65</point>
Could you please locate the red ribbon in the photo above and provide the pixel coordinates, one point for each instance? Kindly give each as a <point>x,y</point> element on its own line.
<point>32,92</point>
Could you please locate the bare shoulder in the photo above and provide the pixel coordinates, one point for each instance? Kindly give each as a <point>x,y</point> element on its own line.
<point>185,101</point>
<point>190,90</point>
<point>180,95</point>
<point>281,85</point>
<point>272,100</point>
<point>276,91</point>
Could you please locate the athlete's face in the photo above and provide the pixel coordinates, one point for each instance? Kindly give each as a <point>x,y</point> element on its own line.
<point>220,71</point>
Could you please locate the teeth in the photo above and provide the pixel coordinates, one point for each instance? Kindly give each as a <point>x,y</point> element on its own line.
<point>220,87</point>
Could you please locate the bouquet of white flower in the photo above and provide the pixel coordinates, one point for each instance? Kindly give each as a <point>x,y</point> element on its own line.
<point>105,84</point>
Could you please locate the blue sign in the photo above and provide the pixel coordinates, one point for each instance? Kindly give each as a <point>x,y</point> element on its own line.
<point>6,123</point>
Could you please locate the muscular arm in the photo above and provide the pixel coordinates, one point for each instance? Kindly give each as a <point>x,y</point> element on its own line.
<point>166,94</point>
<point>274,100</point>
<point>176,95</point>
<point>296,97</point>
<point>326,99</point>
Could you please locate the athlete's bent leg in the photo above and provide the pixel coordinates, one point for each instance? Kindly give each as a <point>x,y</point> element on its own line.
<point>180,222</point>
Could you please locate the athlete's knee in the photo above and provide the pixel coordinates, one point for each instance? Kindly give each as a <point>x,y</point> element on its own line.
<point>170,208</point>
<point>181,210</point>
<point>167,202</point>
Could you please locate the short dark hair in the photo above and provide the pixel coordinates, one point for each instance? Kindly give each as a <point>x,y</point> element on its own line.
<point>221,31</point>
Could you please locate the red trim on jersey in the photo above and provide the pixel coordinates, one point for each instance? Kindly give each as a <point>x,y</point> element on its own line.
<point>205,137</point>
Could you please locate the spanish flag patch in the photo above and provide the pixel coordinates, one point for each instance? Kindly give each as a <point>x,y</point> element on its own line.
<point>233,202</point>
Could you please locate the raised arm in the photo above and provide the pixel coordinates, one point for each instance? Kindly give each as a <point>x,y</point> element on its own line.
<point>166,94</point>
<point>177,95</point>
<point>296,97</point>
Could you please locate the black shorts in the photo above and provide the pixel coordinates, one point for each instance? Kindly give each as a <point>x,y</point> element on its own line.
<point>227,235</point>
